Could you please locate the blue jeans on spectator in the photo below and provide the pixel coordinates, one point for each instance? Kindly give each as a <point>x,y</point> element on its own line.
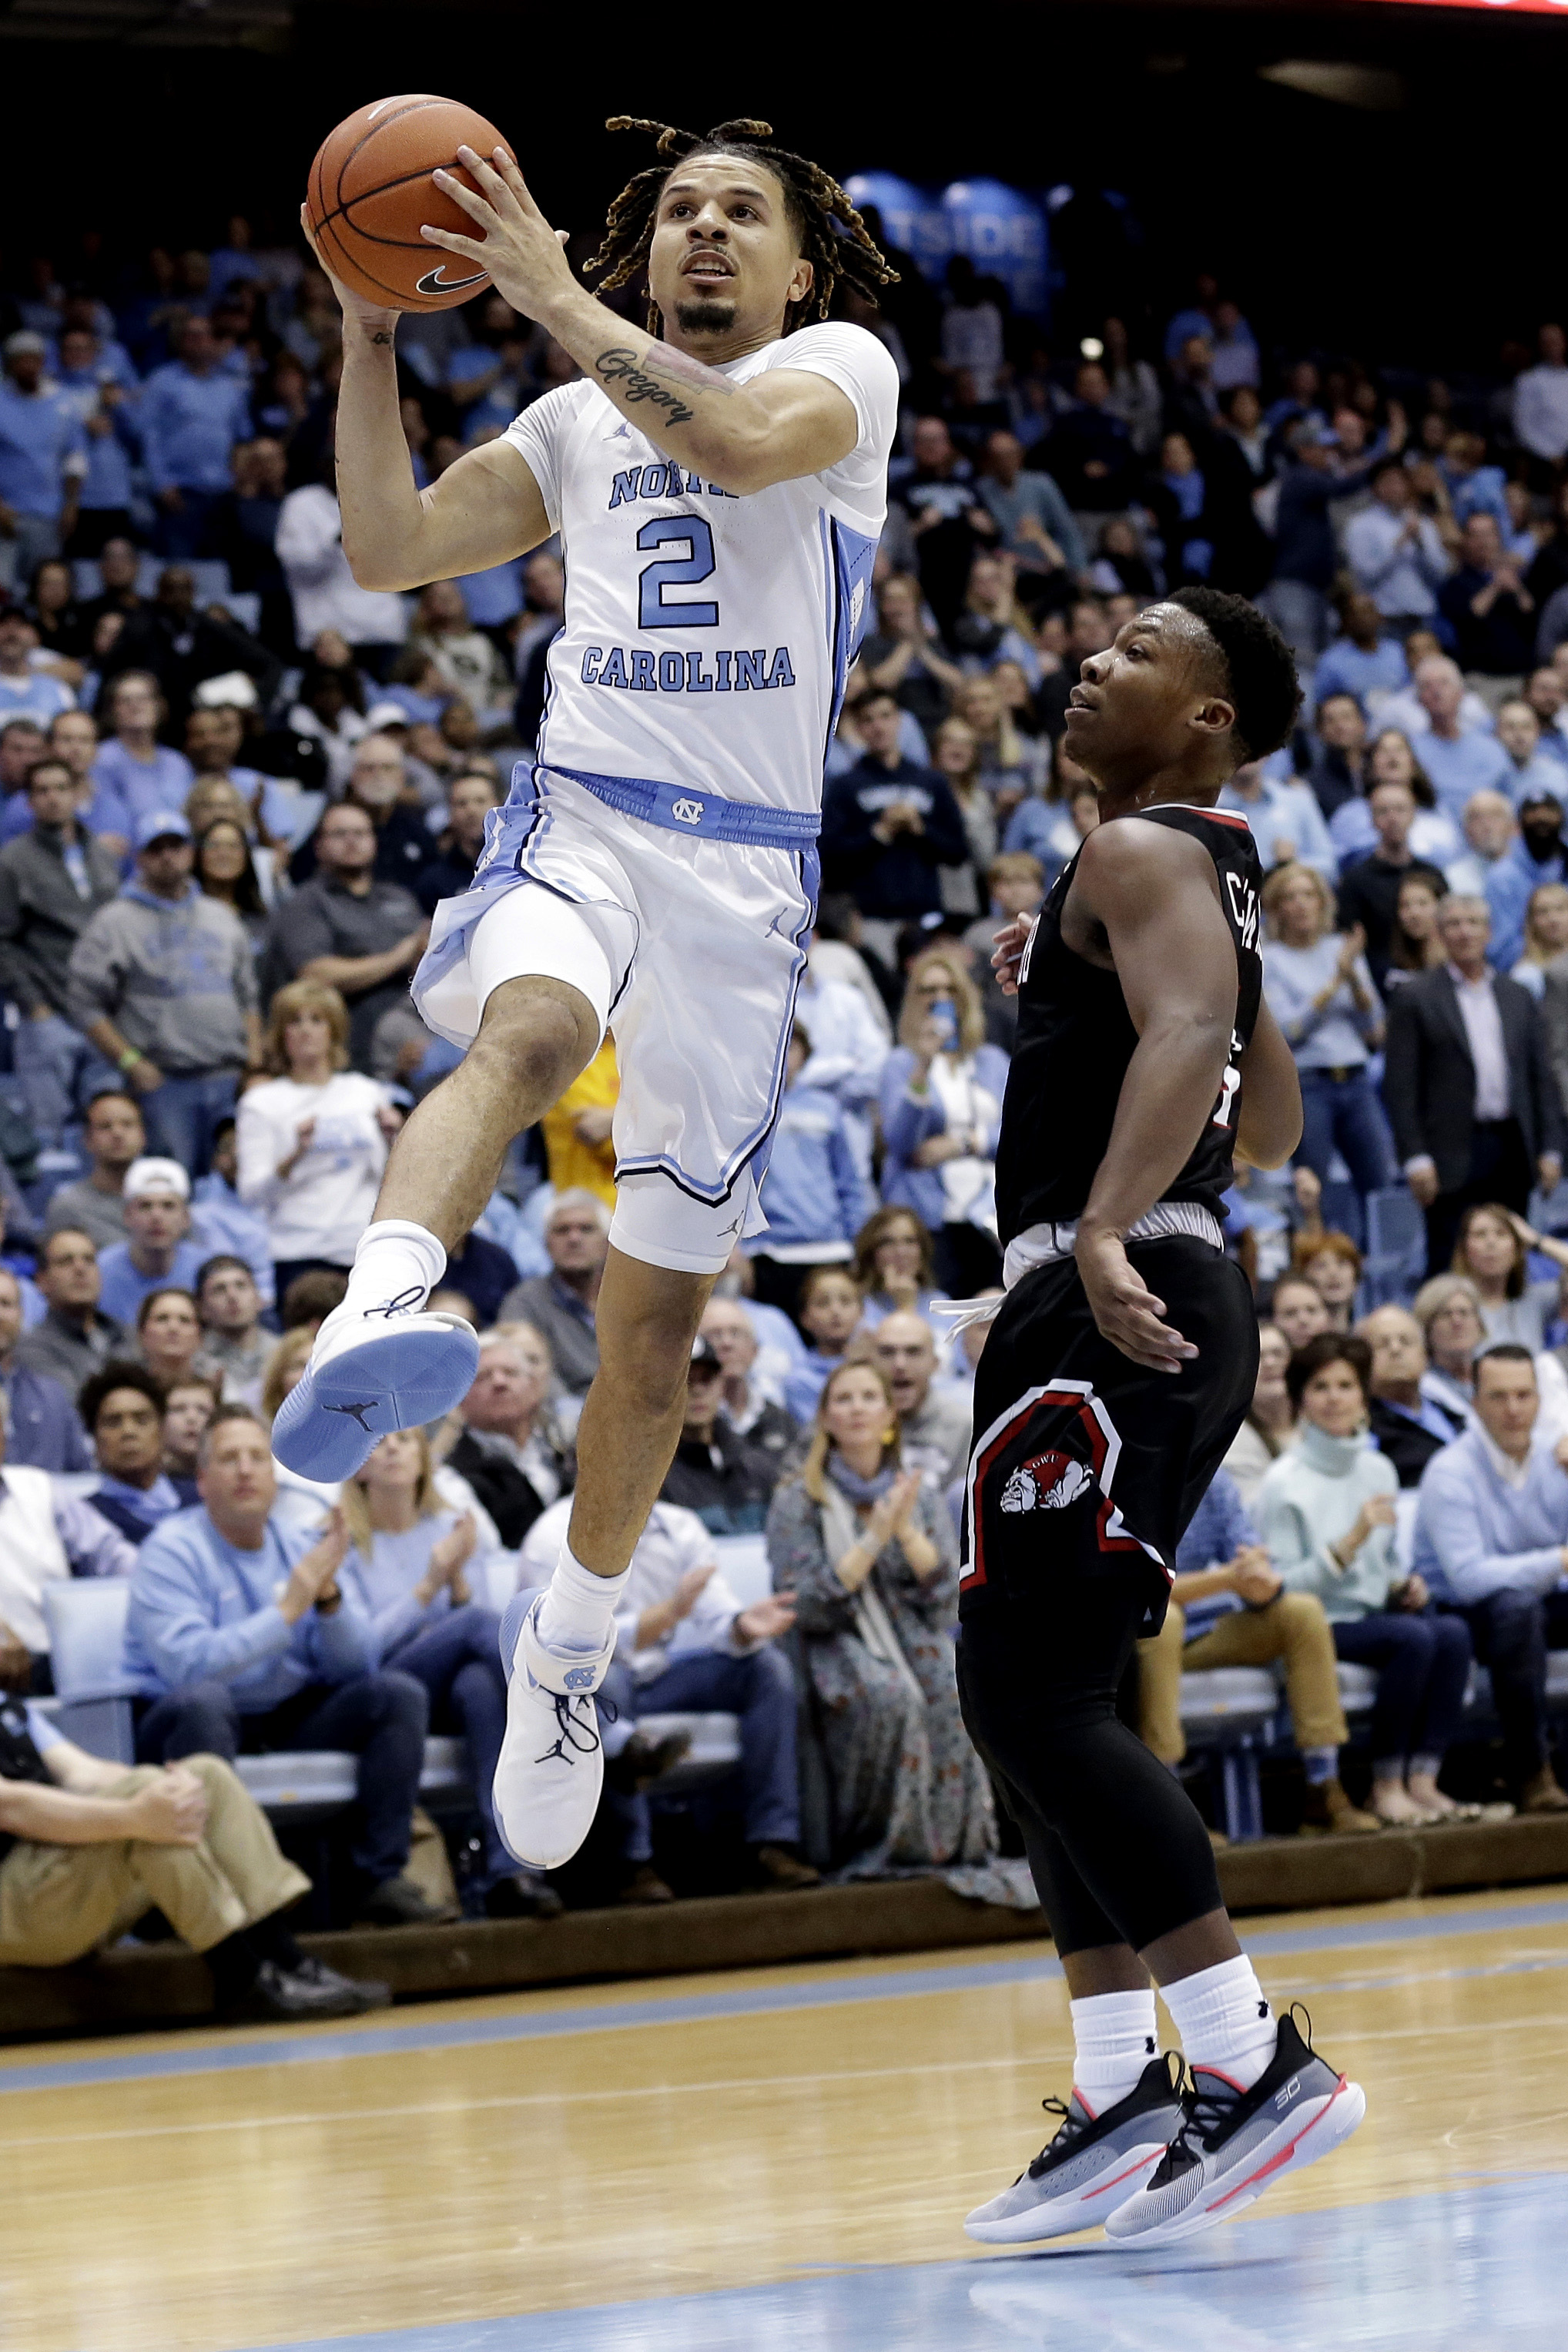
<point>1301,614</point>
<point>183,536</point>
<point>1343,1114</point>
<point>34,540</point>
<point>182,1115</point>
<point>59,1071</point>
<point>458,1659</point>
<point>759,1689</point>
<point>380,1717</point>
<point>1512,1630</point>
<point>1423,1664</point>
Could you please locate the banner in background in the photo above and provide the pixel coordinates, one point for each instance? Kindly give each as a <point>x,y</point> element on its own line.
<point>1001,229</point>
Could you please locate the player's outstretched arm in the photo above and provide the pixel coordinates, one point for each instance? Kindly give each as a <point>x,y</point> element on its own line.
<point>742,436</point>
<point>1152,891</point>
<point>1269,1127</point>
<point>484,509</point>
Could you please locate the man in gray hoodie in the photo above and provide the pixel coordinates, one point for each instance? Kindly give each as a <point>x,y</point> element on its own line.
<point>52,881</point>
<point>162,983</point>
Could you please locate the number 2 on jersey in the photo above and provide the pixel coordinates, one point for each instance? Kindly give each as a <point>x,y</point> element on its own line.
<point>672,571</point>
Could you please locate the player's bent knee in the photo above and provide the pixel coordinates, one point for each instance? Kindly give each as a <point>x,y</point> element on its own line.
<point>542,1039</point>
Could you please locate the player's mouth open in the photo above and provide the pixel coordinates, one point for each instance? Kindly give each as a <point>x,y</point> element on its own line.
<point>1079,700</point>
<point>707,264</point>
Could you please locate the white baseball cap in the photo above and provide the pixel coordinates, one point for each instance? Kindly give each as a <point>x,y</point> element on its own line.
<point>145,1176</point>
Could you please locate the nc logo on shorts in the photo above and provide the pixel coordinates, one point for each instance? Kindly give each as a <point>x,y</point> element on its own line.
<point>689,812</point>
<point>1050,1483</point>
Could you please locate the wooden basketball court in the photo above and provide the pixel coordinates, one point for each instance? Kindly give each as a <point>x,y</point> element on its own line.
<point>782,2157</point>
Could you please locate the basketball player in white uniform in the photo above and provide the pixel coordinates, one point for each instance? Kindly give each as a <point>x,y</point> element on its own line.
<point>718,494</point>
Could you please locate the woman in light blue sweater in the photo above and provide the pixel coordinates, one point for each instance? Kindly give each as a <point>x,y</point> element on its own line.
<point>1326,1512</point>
<point>405,1574</point>
<point>1320,990</point>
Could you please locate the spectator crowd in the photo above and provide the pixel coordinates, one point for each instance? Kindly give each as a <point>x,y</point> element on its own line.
<point>234,786</point>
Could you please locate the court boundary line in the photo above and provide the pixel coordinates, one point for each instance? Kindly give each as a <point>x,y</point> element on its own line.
<point>320,2047</point>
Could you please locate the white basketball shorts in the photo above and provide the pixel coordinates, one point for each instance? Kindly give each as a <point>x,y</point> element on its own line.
<point>688,947</point>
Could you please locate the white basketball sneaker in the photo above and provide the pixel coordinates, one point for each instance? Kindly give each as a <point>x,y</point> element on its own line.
<point>393,1367</point>
<point>550,1767</point>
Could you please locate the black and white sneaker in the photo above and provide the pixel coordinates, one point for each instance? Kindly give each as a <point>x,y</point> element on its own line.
<point>1091,2166</point>
<point>1233,2145</point>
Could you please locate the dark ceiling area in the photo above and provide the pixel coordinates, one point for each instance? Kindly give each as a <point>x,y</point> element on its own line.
<point>1382,179</point>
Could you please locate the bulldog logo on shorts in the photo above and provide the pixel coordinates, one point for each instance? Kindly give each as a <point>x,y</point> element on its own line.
<point>688,812</point>
<point>1048,1483</point>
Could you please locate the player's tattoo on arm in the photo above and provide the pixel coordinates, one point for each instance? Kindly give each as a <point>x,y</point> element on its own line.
<point>640,381</point>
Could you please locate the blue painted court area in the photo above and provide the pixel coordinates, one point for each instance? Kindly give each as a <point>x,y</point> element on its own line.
<point>1477,2270</point>
<point>432,2032</point>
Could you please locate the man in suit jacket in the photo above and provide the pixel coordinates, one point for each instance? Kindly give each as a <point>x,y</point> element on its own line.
<point>1476,1112</point>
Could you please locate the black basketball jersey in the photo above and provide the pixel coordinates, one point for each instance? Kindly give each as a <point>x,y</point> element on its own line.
<point>1076,1039</point>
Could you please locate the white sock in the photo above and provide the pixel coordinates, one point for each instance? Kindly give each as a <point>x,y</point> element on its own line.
<point>393,1258</point>
<point>578,1605</point>
<point>1115,2036</point>
<point>1223,2020</point>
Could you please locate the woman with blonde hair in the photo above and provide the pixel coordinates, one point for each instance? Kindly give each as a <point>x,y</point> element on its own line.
<point>1012,765</point>
<point>866,1549</point>
<point>312,1141</point>
<point>955,754</point>
<point>942,1110</point>
<point>407,1572</point>
<point>1546,937</point>
<point>895,1266</point>
<point>1319,987</point>
<point>1415,943</point>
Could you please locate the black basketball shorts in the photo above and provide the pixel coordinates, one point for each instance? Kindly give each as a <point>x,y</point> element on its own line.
<point>1085,1463</point>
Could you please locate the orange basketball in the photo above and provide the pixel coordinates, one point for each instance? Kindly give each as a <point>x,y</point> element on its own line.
<point>370,189</point>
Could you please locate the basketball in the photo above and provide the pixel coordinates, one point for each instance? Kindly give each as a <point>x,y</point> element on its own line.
<point>370,190</point>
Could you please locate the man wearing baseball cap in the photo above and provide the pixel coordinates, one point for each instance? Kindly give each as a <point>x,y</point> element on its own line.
<point>43,456</point>
<point>158,1253</point>
<point>161,982</point>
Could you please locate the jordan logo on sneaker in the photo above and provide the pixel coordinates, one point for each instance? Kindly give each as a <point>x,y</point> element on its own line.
<point>355,1412</point>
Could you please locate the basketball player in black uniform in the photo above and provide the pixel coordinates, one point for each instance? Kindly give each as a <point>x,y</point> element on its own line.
<point>1119,1369</point>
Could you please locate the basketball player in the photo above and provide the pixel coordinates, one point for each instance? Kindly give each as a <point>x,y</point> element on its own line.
<point>720,493</point>
<point>1119,1367</point>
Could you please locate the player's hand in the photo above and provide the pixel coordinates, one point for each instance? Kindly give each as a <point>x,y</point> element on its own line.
<point>1125,1310</point>
<point>525,257</point>
<point>1007,953</point>
<point>354,308</point>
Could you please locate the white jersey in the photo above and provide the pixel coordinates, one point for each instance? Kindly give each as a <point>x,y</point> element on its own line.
<point>706,637</point>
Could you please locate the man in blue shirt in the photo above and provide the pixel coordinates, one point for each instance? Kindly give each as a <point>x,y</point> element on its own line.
<point>100,386</point>
<point>886,828</point>
<point>192,413</point>
<point>43,455</point>
<point>238,1634</point>
<point>1362,662</point>
<point>1034,518</point>
<point>26,692</point>
<point>1286,821</point>
<point>157,1253</point>
<point>1228,1608</point>
<point>45,1433</point>
<point>1305,555</point>
<point>1491,1540</point>
<point>1461,760</point>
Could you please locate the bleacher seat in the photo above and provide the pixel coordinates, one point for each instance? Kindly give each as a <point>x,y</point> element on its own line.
<point>1226,1712</point>
<point>86,1619</point>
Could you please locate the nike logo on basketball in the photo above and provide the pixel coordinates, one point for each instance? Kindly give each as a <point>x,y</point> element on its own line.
<point>436,281</point>
<point>355,1413</point>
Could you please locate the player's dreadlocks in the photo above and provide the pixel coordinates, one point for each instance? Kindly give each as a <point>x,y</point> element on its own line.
<point>815,203</point>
